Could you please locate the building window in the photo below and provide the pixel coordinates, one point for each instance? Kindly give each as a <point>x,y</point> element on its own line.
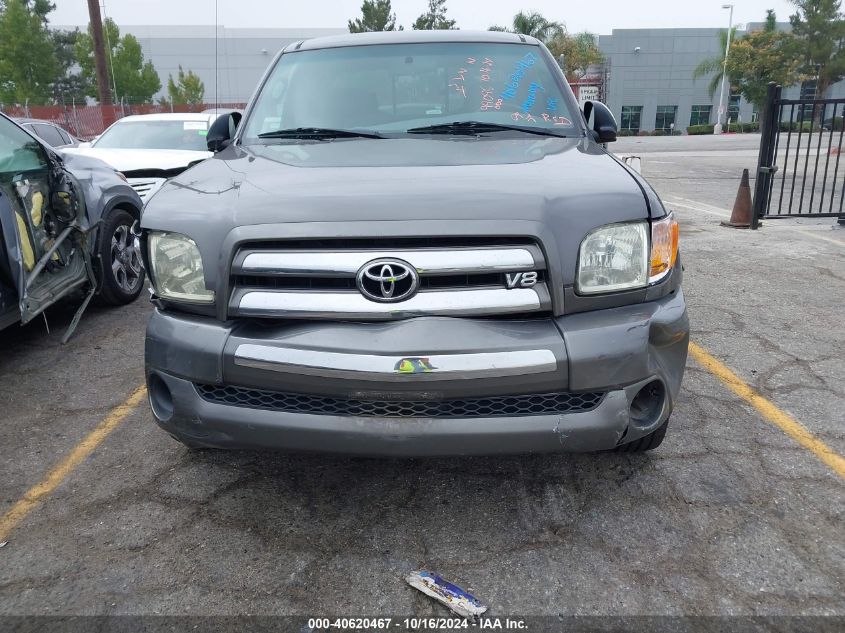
<point>733,108</point>
<point>808,89</point>
<point>700,115</point>
<point>631,116</point>
<point>665,119</point>
<point>808,92</point>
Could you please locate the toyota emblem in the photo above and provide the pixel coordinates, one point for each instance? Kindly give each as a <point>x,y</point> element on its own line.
<point>387,280</point>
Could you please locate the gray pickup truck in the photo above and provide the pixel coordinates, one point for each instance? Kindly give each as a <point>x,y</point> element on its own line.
<point>414,243</point>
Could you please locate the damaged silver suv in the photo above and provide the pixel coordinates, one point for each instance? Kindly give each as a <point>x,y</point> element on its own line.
<point>414,243</point>
<point>66,224</point>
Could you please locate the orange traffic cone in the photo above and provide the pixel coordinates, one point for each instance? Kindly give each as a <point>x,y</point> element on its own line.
<point>741,214</point>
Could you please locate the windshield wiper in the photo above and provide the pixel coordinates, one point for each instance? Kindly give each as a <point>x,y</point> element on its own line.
<point>472,128</point>
<point>318,133</point>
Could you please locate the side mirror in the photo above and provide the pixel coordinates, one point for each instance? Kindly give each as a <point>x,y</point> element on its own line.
<point>603,123</point>
<point>222,131</point>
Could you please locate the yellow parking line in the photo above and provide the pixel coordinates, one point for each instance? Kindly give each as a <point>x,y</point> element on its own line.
<point>81,451</point>
<point>60,472</point>
<point>769,411</point>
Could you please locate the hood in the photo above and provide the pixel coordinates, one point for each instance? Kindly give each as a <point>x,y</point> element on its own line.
<point>74,161</point>
<point>129,160</point>
<point>405,179</point>
<point>552,191</point>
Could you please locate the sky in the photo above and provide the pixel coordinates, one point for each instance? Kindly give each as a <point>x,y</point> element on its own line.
<point>597,17</point>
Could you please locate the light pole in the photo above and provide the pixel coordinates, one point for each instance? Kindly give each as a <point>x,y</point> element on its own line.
<point>718,128</point>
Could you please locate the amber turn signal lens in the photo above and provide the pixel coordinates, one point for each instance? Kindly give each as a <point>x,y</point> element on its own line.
<point>664,247</point>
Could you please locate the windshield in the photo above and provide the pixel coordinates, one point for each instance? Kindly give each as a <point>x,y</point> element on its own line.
<point>392,88</point>
<point>189,135</point>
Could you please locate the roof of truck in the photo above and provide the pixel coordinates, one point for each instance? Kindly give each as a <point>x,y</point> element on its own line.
<point>410,37</point>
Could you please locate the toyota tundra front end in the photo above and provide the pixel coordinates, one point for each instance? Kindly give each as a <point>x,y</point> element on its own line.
<point>414,244</point>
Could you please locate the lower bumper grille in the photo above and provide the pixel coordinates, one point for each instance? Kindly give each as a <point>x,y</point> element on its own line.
<point>489,407</point>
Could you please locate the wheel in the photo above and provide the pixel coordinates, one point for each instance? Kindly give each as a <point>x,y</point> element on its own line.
<point>647,443</point>
<point>120,256</point>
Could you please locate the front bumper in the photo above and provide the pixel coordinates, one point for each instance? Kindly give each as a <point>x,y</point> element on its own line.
<point>616,352</point>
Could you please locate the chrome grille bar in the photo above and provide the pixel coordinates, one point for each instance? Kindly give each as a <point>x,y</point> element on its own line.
<point>396,368</point>
<point>427,262</point>
<point>352,305</point>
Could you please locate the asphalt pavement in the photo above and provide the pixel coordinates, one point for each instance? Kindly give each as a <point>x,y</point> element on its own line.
<point>731,516</point>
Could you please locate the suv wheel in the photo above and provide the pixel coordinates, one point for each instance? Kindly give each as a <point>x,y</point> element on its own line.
<point>120,254</point>
<point>647,443</point>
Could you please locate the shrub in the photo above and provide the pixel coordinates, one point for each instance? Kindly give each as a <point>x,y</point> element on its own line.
<point>835,124</point>
<point>626,133</point>
<point>659,133</point>
<point>644,133</point>
<point>697,130</point>
<point>786,126</point>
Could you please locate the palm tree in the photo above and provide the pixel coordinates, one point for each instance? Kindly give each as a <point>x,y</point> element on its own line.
<point>534,25</point>
<point>715,64</point>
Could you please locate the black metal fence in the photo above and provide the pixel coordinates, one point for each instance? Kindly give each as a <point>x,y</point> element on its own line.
<point>800,170</point>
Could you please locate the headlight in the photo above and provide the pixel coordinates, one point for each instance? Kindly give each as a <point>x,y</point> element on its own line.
<point>664,247</point>
<point>616,257</point>
<point>177,268</point>
<point>613,257</point>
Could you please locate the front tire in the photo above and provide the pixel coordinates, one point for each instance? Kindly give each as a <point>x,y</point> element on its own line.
<point>647,443</point>
<point>120,257</point>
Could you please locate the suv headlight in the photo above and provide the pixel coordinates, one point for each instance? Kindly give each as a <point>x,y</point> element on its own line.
<point>612,258</point>
<point>618,256</point>
<point>176,267</point>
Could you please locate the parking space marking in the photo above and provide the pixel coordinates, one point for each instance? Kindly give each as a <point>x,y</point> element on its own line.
<point>724,213</point>
<point>718,214</point>
<point>768,410</point>
<point>832,240</point>
<point>60,472</point>
<point>21,509</point>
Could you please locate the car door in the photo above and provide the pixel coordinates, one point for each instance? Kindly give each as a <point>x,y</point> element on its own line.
<point>49,134</point>
<point>41,223</point>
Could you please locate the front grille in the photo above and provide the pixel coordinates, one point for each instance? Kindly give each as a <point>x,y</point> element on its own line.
<point>144,187</point>
<point>455,276</point>
<point>489,407</point>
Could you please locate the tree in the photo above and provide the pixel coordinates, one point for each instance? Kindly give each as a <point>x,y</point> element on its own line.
<point>435,18</point>
<point>69,85</point>
<point>579,51</point>
<point>376,15</point>
<point>819,30</point>
<point>715,65</point>
<point>760,57</point>
<point>130,75</point>
<point>187,90</point>
<point>535,25</point>
<point>28,63</point>
<point>41,8</point>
